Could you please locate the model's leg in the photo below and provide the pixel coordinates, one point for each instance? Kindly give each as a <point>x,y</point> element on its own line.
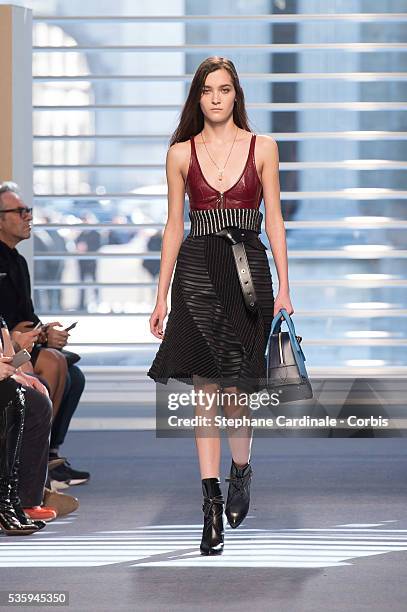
<point>207,439</point>
<point>208,445</point>
<point>236,405</point>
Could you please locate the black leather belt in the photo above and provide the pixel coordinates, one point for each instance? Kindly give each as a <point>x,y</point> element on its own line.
<point>237,237</point>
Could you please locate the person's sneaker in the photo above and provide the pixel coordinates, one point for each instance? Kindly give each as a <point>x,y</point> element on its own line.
<point>43,513</point>
<point>66,474</point>
<point>53,463</point>
<point>53,482</point>
<point>56,485</point>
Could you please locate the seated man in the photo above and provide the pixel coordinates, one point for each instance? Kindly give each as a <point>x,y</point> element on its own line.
<point>18,310</point>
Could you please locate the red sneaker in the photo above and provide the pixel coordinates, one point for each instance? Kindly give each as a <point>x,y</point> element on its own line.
<point>44,513</point>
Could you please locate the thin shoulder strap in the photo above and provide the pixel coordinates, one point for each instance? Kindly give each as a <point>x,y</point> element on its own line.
<point>193,149</point>
<point>252,145</point>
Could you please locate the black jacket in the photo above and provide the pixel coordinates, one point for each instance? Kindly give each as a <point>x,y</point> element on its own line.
<point>15,288</point>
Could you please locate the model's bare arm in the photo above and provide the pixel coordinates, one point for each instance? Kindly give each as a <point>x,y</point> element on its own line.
<point>274,222</point>
<point>173,233</point>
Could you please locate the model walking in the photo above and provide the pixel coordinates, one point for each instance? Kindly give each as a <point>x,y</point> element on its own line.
<point>222,301</point>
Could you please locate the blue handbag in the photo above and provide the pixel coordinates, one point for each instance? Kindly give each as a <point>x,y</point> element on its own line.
<point>285,367</point>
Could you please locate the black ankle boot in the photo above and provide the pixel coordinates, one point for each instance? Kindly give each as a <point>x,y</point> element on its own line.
<point>212,534</point>
<point>238,499</point>
<point>11,413</point>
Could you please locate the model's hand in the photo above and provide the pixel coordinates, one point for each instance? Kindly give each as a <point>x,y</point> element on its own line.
<point>283,301</point>
<point>157,320</point>
<point>56,338</point>
<point>6,370</point>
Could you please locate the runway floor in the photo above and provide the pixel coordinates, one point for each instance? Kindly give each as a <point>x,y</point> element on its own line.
<point>327,529</point>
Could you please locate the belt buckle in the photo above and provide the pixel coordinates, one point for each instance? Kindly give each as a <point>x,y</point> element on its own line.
<point>232,234</point>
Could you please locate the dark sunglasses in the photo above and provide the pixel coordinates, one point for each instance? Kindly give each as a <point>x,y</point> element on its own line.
<point>13,187</point>
<point>22,211</point>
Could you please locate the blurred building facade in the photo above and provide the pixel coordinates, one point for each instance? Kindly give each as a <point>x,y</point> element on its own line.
<point>331,90</point>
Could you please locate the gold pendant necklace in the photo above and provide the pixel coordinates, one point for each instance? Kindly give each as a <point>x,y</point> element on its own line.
<point>220,170</point>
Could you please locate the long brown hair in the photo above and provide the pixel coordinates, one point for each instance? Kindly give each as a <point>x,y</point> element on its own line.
<point>192,119</point>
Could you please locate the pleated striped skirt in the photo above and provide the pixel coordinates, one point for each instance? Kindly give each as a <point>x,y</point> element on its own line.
<point>209,331</point>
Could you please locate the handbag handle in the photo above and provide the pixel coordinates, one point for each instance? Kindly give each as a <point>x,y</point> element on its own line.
<point>277,319</point>
<point>276,325</point>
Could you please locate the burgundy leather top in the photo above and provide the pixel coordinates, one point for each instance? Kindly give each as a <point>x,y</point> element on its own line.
<point>245,193</point>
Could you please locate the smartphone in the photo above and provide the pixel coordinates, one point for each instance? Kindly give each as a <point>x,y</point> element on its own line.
<point>20,358</point>
<point>71,326</point>
<point>39,324</point>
